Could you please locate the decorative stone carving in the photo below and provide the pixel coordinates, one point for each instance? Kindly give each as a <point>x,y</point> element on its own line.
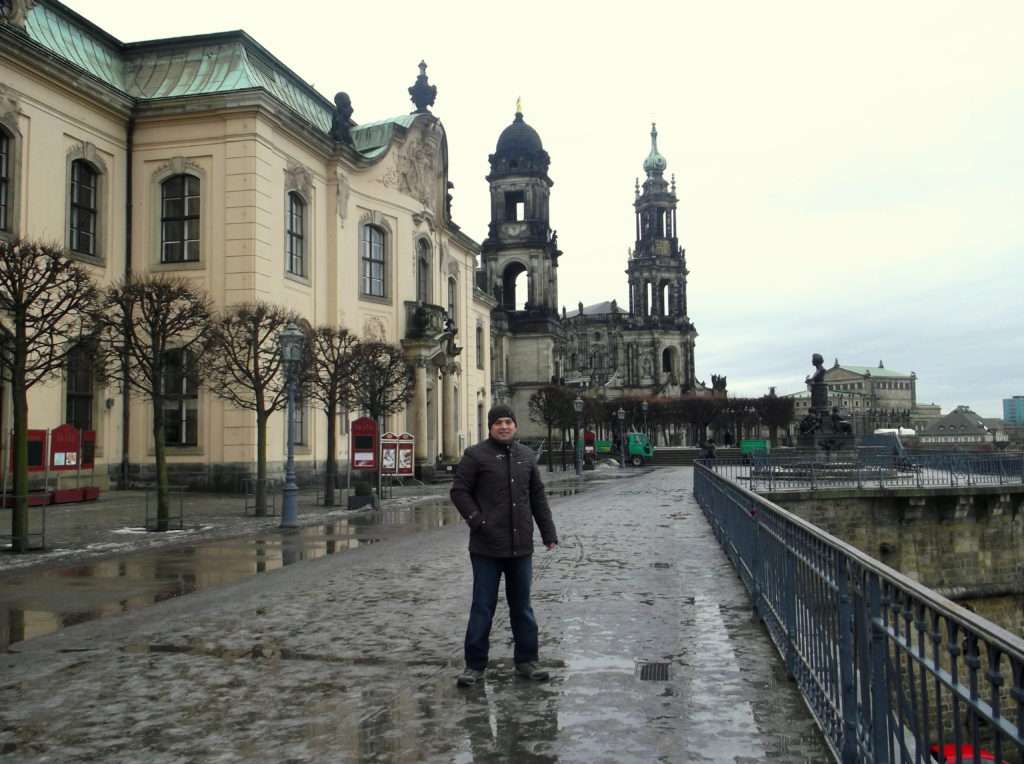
<point>340,128</point>
<point>417,171</point>
<point>299,178</point>
<point>373,329</point>
<point>87,151</point>
<point>15,12</point>
<point>344,190</point>
<point>177,166</point>
<point>422,93</point>
<point>9,105</point>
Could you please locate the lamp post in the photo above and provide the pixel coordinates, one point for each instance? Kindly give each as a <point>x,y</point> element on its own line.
<point>643,407</point>
<point>621,413</point>
<point>291,341</point>
<point>578,440</point>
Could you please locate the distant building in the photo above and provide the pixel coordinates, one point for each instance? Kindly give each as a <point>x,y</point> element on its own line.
<point>1013,411</point>
<point>872,397</point>
<point>962,427</point>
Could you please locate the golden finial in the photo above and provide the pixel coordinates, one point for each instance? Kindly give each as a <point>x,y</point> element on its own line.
<point>519,105</point>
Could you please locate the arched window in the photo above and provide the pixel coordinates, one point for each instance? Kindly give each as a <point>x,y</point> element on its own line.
<point>5,181</point>
<point>422,271</point>
<point>80,388</point>
<point>296,234</point>
<point>453,290</point>
<point>371,274</point>
<point>82,227</point>
<point>179,219</point>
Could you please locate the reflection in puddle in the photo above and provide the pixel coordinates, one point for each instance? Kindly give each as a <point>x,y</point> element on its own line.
<point>42,602</point>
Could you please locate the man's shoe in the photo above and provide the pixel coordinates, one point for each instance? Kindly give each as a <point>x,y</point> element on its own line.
<point>469,677</point>
<point>532,671</point>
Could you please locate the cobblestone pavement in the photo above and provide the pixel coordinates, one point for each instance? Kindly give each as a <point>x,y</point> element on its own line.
<point>352,657</point>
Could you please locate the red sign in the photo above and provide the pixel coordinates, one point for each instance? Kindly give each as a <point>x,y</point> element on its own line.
<point>36,450</point>
<point>398,454</point>
<point>363,444</point>
<point>65,442</point>
<point>589,442</point>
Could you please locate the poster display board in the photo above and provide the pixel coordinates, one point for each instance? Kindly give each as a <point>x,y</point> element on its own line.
<point>65,444</point>
<point>398,454</point>
<point>363,444</point>
<point>36,451</point>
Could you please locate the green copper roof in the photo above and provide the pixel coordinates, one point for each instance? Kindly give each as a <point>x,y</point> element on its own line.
<point>373,138</point>
<point>655,162</point>
<point>81,46</point>
<point>186,66</point>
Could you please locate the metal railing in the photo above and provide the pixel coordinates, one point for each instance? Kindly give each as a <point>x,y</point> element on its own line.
<point>892,671</point>
<point>867,470</point>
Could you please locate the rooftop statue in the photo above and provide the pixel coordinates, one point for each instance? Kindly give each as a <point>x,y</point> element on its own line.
<point>340,120</point>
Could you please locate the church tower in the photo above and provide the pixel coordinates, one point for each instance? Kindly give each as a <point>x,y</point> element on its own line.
<point>657,265</point>
<point>519,238</point>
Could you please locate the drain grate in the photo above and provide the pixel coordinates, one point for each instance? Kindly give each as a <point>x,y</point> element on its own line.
<point>661,565</point>
<point>652,672</point>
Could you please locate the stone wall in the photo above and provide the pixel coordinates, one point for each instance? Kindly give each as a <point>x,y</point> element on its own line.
<point>966,543</point>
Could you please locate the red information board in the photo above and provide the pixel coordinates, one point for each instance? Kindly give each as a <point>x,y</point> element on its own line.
<point>65,443</point>
<point>363,444</point>
<point>36,450</point>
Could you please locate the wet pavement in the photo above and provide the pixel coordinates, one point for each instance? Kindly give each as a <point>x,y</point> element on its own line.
<point>352,657</point>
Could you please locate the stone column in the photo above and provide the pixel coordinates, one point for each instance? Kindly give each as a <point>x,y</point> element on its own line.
<point>449,444</point>
<point>420,408</point>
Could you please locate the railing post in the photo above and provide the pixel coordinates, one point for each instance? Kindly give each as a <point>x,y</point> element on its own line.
<point>789,595</point>
<point>755,560</point>
<point>879,689</point>
<point>847,670</point>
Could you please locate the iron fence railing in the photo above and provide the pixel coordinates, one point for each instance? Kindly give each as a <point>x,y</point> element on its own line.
<point>871,470</point>
<point>892,671</point>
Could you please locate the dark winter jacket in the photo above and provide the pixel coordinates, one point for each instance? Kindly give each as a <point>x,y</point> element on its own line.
<point>499,492</point>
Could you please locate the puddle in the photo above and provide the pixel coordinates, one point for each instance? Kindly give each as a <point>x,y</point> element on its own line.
<point>41,602</point>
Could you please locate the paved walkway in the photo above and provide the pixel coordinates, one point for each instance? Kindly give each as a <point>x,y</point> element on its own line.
<point>352,657</point>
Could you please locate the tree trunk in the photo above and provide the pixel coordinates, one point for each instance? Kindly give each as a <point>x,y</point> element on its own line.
<point>163,504</point>
<point>19,518</point>
<point>773,433</point>
<point>331,478</point>
<point>551,467</point>
<point>261,464</point>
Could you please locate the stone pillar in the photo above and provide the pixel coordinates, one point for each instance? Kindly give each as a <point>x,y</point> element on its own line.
<point>420,408</point>
<point>449,445</point>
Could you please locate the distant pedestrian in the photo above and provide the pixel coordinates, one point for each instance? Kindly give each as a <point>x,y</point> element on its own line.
<point>709,449</point>
<point>499,491</point>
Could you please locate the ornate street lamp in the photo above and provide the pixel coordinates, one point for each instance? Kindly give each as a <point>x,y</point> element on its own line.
<point>643,407</point>
<point>291,341</point>
<point>621,413</point>
<point>578,441</point>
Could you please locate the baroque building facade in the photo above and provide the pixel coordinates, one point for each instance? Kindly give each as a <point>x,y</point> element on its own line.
<point>207,158</point>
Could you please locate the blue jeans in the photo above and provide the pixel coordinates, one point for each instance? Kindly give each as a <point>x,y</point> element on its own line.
<point>487,572</point>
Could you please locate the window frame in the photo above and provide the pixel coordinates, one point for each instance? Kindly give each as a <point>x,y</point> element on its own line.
<point>79,210</point>
<point>6,171</point>
<point>367,261</point>
<point>296,226</point>
<point>423,271</point>
<point>84,400</point>
<point>452,305</point>
<point>184,219</point>
<point>179,400</point>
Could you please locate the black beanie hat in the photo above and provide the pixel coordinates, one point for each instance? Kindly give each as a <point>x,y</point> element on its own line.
<point>498,411</point>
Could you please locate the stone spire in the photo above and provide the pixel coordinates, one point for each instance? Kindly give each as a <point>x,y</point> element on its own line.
<point>422,93</point>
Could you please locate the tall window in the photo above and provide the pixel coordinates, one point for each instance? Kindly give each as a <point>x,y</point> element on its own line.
<point>5,180</point>
<point>79,399</point>
<point>179,219</point>
<point>82,234</point>
<point>372,262</point>
<point>301,424</point>
<point>296,235</point>
<point>452,292</point>
<point>479,347</point>
<point>181,399</point>
<point>422,271</point>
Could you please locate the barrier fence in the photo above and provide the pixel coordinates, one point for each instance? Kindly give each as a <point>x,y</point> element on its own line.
<point>892,671</point>
<point>865,470</point>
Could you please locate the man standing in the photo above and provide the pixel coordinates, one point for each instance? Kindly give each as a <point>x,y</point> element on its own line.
<point>499,492</point>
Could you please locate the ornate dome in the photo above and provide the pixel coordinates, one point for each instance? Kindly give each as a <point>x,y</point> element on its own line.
<point>518,139</point>
<point>655,163</point>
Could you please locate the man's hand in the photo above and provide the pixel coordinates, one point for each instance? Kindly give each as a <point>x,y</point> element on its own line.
<point>550,546</point>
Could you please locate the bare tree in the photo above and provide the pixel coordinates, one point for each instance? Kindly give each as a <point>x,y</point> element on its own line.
<point>247,371</point>
<point>551,405</point>
<point>48,301</point>
<point>382,379</point>
<point>157,328</point>
<point>334,355</point>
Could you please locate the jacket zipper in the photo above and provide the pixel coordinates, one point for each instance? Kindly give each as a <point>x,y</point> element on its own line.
<point>512,504</point>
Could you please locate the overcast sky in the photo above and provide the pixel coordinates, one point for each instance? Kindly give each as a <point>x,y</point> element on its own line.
<point>850,176</point>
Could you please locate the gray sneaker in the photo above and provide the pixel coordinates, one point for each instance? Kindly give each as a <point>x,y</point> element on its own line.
<point>532,671</point>
<point>469,677</point>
